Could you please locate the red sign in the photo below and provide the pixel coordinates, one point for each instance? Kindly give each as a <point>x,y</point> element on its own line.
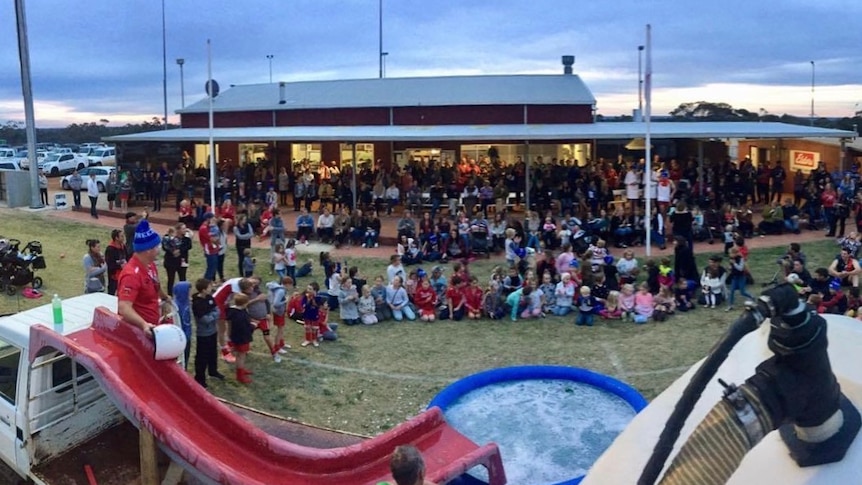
<point>803,160</point>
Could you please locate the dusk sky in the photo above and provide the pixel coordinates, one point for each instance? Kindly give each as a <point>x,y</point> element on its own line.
<point>101,59</point>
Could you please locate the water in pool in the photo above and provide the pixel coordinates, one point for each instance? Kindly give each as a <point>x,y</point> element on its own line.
<point>548,430</point>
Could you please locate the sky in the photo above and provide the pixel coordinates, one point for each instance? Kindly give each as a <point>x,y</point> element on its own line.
<point>102,59</point>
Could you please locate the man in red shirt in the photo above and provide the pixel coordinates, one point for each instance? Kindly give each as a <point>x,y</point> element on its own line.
<point>210,243</point>
<point>138,287</point>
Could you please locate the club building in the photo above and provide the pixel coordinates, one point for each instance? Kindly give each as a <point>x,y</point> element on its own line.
<point>396,120</point>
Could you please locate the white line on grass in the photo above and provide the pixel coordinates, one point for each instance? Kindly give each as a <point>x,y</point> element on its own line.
<point>367,372</point>
<point>615,361</point>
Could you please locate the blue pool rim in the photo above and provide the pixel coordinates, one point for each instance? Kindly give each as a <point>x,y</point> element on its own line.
<point>451,393</point>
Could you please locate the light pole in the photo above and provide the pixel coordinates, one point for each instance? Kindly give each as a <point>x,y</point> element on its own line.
<point>380,36</point>
<point>812,93</point>
<point>640,81</point>
<point>164,65</point>
<point>383,57</point>
<point>269,57</point>
<point>180,63</point>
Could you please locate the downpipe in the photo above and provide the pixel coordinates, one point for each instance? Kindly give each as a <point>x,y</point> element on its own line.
<point>794,391</point>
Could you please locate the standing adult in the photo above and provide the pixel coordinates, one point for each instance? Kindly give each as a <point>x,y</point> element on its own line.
<point>76,183</point>
<point>129,232</point>
<point>208,237</point>
<point>115,259</point>
<point>778,175</point>
<point>283,186</point>
<point>682,222</point>
<point>94,268</point>
<point>632,182</point>
<point>684,264</point>
<point>139,289</point>
<point>243,233</point>
<point>829,201</point>
<point>112,187</point>
<point>93,194</point>
<point>43,187</point>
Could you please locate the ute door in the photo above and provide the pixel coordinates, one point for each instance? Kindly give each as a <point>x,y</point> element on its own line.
<point>10,364</point>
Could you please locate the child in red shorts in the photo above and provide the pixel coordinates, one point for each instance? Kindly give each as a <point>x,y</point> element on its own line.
<point>241,330</point>
<point>280,295</point>
<point>425,299</point>
<point>473,296</point>
<point>311,316</point>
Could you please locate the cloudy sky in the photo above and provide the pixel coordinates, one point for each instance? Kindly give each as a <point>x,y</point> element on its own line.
<point>95,59</point>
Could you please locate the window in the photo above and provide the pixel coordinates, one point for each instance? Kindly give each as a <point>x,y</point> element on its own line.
<point>364,153</point>
<point>61,373</point>
<point>306,151</point>
<point>10,359</point>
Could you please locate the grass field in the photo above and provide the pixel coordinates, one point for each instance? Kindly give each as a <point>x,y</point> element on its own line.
<point>375,377</point>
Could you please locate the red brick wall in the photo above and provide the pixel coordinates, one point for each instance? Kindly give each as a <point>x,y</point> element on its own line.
<point>458,115</point>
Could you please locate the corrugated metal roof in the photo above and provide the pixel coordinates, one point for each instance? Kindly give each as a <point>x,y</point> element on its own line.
<point>394,92</point>
<point>517,133</point>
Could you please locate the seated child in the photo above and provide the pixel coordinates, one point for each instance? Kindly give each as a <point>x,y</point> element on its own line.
<point>644,304</point>
<point>564,294</point>
<point>473,299</point>
<point>627,301</point>
<point>664,304</point>
<point>683,296</point>
<point>612,307</point>
<point>367,307</point>
<point>586,307</point>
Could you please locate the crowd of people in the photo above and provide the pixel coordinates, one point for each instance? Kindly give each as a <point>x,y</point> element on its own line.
<point>572,241</point>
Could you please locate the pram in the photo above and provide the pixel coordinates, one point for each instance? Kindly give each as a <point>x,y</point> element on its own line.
<point>479,241</point>
<point>18,267</point>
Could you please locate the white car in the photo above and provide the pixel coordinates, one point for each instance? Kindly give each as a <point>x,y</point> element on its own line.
<point>9,164</point>
<point>55,164</point>
<point>8,153</point>
<point>103,156</point>
<point>25,162</point>
<point>102,174</point>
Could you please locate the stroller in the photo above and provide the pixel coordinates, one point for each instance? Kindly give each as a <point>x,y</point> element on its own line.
<point>479,240</point>
<point>18,267</point>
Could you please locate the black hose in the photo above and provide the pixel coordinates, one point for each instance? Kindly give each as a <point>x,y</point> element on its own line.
<point>746,324</point>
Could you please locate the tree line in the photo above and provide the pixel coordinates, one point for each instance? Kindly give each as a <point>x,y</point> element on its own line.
<point>14,133</point>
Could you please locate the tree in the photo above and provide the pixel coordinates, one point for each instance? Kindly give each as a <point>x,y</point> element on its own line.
<point>710,111</point>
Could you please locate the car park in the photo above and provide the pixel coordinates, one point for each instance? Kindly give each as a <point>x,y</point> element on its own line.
<point>102,174</point>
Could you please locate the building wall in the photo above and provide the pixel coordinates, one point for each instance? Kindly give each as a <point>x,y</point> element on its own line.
<point>332,117</point>
<point>405,115</point>
<point>555,113</point>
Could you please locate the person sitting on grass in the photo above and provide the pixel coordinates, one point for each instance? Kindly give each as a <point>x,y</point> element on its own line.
<point>534,301</point>
<point>367,307</point>
<point>586,304</point>
<point>516,301</point>
<point>399,303</point>
<point>473,299</point>
<point>425,299</point>
<point>644,304</point>
<point>304,226</point>
<point>564,294</point>
<point>846,268</point>
<point>456,299</point>
<point>348,298</point>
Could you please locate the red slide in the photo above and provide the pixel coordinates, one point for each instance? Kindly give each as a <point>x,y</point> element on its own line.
<point>219,446</point>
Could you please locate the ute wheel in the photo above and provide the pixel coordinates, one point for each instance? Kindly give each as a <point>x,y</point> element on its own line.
<point>81,166</point>
<point>10,290</point>
<point>37,282</point>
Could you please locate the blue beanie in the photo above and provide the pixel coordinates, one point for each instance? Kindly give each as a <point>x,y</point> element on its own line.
<point>145,238</point>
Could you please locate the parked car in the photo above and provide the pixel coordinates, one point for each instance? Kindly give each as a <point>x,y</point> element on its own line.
<point>9,164</point>
<point>8,154</point>
<point>103,156</point>
<point>102,174</point>
<point>25,162</point>
<point>55,164</point>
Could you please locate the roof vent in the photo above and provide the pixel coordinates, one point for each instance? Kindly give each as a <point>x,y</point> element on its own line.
<point>281,89</point>
<point>568,61</point>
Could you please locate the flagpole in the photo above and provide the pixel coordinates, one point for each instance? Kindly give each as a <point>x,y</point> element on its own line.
<point>212,141</point>
<point>647,141</point>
